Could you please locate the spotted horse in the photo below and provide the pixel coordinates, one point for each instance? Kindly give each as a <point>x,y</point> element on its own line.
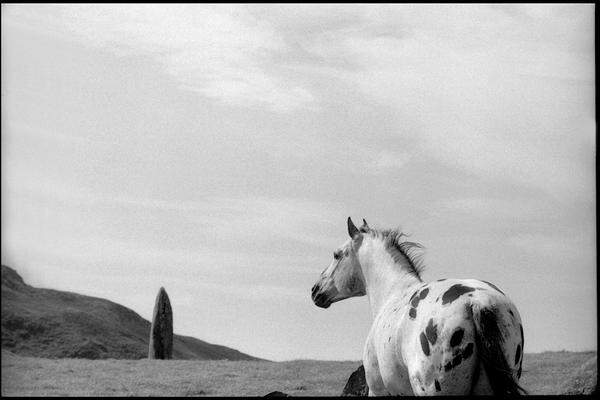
<point>447,337</point>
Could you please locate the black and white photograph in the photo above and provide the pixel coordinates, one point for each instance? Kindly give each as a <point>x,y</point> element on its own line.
<point>298,199</point>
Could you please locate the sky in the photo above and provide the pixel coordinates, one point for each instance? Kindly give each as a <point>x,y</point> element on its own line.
<point>217,150</point>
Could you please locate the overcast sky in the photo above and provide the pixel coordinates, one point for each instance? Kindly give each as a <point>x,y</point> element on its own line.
<point>218,150</point>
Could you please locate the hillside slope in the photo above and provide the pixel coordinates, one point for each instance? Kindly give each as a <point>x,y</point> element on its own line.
<point>56,324</point>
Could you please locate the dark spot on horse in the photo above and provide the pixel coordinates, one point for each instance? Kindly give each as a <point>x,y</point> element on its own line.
<point>424,343</point>
<point>422,388</point>
<point>470,294</point>
<point>467,351</point>
<point>454,292</point>
<point>390,338</point>
<point>457,337</point>
<point>415,302</point>
<point>424,293</point>
<point>438,388</point>
<point>439,280</point>
<point>431,331</point>
<point>456,360</point>
<point>412,313</point>
<point>518,354</point>
<point>494,286</point>
<point>459,356</point>
<point>510,312</point>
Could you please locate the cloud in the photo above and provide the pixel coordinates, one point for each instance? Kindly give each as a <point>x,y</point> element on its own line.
<point>387,161</point>
<point>501,94</point>
<point>574,248</point>
<point>492,208</point>
<point>466,79</point>
<point>152,231</point>
<point>222,52</point>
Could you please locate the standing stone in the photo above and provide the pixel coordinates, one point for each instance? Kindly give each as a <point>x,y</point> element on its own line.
<point>161,331</point>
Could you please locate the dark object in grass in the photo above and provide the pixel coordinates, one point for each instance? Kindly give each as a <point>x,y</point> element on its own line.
<point>357,384</point>
<point>277,394</point>
<point>161,331</point>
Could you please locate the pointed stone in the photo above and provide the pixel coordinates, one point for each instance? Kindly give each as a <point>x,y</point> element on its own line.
<point>161,330</point>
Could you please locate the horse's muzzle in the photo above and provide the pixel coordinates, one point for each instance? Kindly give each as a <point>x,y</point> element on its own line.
<point>321,299</point>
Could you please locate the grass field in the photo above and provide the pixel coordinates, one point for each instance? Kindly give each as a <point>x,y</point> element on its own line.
<point>543,373</point>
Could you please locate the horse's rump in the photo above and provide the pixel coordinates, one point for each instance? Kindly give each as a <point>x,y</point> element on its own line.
<point>491,341</point>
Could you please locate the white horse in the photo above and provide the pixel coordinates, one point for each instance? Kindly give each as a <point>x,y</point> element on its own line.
<point>451,336</point>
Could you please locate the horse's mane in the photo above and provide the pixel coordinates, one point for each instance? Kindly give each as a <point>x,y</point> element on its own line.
<point>400,249</point>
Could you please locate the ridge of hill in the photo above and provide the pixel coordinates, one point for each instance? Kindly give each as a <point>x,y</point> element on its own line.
<point>57,324</point>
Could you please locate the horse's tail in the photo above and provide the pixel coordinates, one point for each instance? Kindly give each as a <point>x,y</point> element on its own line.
<point>489,341</point>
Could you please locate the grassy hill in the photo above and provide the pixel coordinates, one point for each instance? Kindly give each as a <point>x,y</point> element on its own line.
<point>55,324</point>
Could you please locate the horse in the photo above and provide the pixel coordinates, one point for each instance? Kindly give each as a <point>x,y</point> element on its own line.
<point>447,337</point>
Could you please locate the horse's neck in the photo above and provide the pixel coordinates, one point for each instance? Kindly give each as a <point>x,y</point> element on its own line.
<point>384,276</point>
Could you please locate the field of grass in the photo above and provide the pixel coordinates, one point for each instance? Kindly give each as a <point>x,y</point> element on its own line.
<point>543,373</point>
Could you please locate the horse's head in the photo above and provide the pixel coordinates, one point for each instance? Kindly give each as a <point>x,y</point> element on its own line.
<point>343,278</point>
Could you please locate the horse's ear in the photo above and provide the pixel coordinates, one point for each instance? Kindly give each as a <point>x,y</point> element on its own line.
<point>352,229</point>
<point>364,227</point>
